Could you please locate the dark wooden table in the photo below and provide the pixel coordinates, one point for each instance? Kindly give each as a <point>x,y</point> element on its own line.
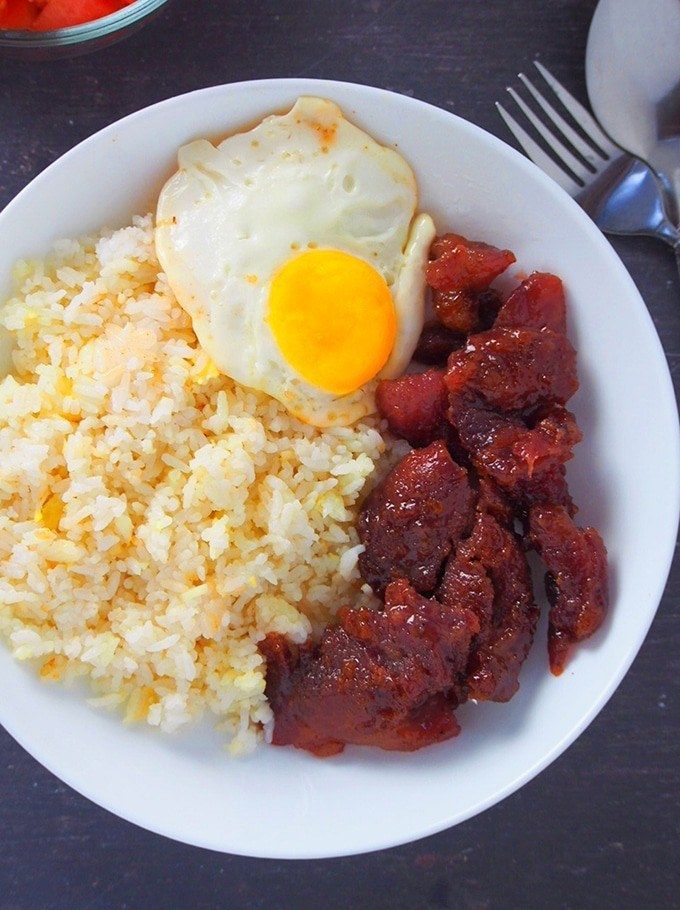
<point>600,827</point>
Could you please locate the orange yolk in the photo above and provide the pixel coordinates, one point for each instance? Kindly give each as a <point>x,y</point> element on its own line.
<point>333,319</point>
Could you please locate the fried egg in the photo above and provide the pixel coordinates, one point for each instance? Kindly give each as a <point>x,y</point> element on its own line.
<point>297,250</point>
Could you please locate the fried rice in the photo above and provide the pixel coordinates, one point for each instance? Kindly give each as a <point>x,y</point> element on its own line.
<point>156,519</point>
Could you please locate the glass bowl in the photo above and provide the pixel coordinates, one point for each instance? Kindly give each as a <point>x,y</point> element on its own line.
<point>78,39</point>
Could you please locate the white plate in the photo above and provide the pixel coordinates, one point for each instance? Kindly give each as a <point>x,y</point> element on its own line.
<point>283,803</point>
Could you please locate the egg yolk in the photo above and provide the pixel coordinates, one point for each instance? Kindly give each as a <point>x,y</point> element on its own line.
<point>333,319</point>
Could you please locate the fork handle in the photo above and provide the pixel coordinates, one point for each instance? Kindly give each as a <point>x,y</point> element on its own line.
<point>627,199</point>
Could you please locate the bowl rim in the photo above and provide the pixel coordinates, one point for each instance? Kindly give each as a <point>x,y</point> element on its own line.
<point>622,663</point>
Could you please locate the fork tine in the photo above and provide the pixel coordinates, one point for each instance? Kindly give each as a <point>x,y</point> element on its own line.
<point>575,166</point>
<point>583,117</point>
<point>592,155</point>
<point>537,155</point>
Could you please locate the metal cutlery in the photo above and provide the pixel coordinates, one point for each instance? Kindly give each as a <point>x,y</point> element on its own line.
<point>620,192</point>
<point>633,79</point>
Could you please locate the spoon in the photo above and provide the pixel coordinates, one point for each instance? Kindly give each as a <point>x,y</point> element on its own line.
<point>633,79</point>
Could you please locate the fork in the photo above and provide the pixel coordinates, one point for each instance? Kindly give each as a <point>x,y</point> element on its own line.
<point>620,192</point>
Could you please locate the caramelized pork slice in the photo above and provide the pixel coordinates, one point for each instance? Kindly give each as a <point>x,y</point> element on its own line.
<point>388,678</point>
<point>410,521</point>
<point>514,369</point>
<point>512,449</point>
<point>460,264</point>
<point>576,580</point>
<point>436,342</point>
<point>489,573</point>
<point>537,303</point>
<point>415,406</point>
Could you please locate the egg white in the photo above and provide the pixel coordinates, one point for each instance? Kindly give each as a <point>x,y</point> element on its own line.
<point>234,213</point>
